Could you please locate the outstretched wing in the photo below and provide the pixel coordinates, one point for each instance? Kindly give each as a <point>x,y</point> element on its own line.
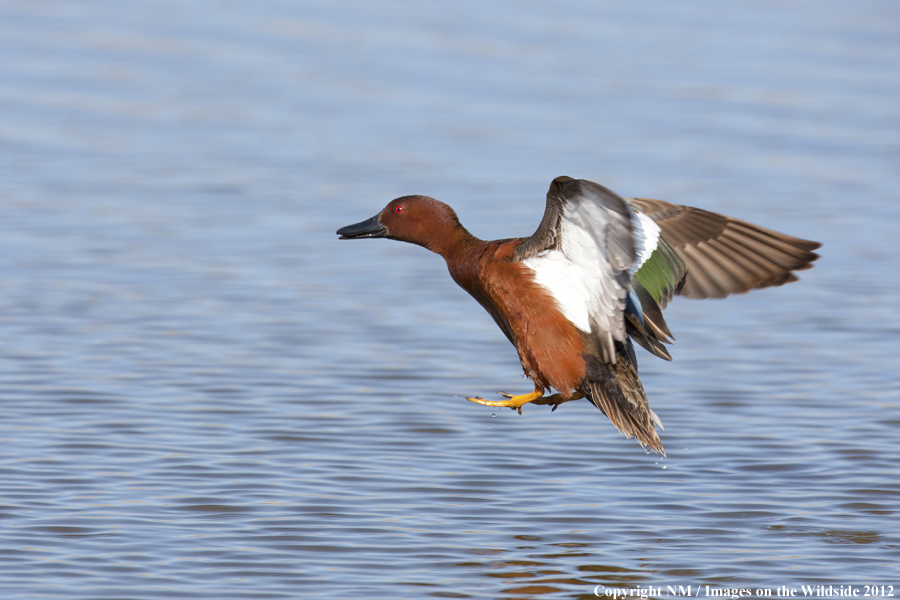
<point>581,253</point>
<point>720,255</point>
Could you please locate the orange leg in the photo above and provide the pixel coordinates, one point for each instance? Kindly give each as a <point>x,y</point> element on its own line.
<point>557,399</point>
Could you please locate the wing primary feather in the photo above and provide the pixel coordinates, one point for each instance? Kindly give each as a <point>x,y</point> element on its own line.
<point>723,255</point>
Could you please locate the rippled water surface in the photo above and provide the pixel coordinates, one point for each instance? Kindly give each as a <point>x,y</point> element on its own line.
<point>203,394</point>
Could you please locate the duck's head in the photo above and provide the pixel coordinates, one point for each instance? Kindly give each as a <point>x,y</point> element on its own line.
<point>415,219</point>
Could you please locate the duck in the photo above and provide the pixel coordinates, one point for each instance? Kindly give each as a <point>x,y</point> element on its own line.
<point>593,280</point>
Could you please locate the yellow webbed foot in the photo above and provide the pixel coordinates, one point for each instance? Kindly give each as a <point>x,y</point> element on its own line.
<point>515,402</point>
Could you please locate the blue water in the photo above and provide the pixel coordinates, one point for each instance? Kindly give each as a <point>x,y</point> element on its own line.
<point>203,394</point>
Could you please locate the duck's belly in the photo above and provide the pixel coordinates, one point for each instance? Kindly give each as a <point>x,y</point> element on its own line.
<point>550,347</point>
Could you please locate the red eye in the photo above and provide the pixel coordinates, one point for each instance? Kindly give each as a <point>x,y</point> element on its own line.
<point>398,210</point>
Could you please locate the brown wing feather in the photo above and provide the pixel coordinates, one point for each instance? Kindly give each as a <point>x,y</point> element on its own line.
<point>723,255</point>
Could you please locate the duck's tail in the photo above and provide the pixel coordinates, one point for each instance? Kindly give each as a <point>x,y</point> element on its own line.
<point>618,393</point>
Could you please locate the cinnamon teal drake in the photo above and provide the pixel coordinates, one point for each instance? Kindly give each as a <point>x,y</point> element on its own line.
<point>595,276</point>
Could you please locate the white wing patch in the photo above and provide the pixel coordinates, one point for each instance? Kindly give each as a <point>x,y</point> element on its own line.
<point>580,277</point>
<point>646,238</point>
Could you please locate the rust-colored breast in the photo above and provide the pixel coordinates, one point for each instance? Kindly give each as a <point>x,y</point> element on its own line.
<point>549,346</point>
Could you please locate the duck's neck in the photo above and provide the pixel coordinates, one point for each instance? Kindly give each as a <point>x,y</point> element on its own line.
<point>453,243</point>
